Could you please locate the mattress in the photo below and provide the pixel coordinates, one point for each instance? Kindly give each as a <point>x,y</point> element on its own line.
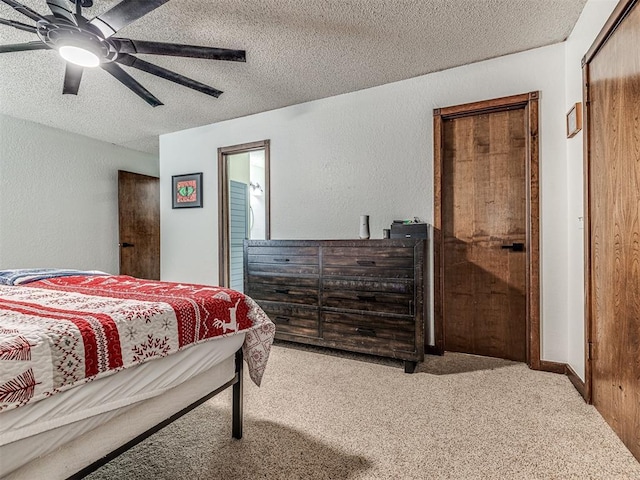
<point>37,429</point>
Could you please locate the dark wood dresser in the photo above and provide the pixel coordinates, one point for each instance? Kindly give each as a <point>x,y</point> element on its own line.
<point>359,295</point>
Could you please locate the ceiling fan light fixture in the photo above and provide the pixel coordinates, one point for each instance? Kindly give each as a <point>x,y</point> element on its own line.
<point>84,42</point>
<point>79,56</point>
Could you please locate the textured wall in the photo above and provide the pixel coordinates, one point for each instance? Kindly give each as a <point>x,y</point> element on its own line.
<point>591,21</point>
<point>370,152</point>
<point>59,197</point>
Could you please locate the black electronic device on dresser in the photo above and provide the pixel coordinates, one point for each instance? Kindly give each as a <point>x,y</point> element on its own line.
<point>409,230</point>
<point>359,295</point>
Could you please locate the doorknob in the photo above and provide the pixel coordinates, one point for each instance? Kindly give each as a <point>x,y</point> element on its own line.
<point>126,245</point>
<point>515,247</point>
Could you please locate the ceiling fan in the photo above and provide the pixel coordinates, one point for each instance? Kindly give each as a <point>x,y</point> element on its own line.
<point>85,43</point>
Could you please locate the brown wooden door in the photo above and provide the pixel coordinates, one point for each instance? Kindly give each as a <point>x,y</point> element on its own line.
<point>484,234</point>
<point>139,224</point>
<point>614,229</point>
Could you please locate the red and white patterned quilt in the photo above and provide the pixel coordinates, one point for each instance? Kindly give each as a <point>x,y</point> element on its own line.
<point>62,332</point>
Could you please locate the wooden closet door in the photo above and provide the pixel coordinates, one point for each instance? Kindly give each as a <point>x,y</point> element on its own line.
<point>614,229</point>
<point>484,213</point>
<point>139,225</point>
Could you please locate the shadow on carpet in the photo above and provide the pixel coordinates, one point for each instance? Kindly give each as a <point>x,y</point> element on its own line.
<point>450,363</point>
<point>199,446</point>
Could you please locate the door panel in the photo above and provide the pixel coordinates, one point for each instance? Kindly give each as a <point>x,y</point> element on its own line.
<point>238,232</point>
<point>483,211</point>
<point>139,225</point>
<point>614,229</point>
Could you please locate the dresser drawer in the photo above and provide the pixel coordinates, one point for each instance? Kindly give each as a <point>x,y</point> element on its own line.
<point>380,334</point>
<point>287,260</point>
<point>292,319</point>
<point>369,295</point>
<point>282,268</point>
<point>302,290</point>
<point>391,262</point>
<point>283,251</point>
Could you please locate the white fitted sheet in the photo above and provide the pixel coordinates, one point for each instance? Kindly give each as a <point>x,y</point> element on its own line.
<point>33,431</point>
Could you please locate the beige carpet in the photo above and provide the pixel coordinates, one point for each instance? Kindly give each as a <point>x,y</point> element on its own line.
<point>334,416</point>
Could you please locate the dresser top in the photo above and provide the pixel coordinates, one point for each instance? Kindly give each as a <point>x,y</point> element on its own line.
<point>381,242</point>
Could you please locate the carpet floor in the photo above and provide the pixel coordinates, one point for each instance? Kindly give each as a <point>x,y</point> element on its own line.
<point>325,415</point>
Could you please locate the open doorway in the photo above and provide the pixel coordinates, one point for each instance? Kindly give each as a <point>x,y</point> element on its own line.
<point>243,203</point>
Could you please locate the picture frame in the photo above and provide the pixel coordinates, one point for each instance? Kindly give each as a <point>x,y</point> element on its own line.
<point>186,190</point>
<point>574,120</point>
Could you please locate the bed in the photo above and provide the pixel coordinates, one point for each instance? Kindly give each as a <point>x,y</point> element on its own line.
<point>91,364</point>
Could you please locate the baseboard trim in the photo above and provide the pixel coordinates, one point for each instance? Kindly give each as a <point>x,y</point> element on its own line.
<point>577,382</point>
<point>565,369</point>
<point>553,367</point>
<point>544,366</point>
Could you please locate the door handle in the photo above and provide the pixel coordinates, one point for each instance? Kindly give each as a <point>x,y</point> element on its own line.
<point>515,247</point>
<point>127,245</point>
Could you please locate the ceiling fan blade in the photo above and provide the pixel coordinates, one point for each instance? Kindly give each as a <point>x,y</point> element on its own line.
<point>61,9</point>
<point>127,45</point>
<point>23,47</point>
<point>72,77</point>
<point>131,61</point>
<point>23,9</point>
<point>19,25</point>
<point>131,83</point>
<point>124,13</point>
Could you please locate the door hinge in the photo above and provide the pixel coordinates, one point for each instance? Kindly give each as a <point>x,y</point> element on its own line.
<point>590,351</point>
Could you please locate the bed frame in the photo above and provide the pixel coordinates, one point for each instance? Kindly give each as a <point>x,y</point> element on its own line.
<point>237,418</point>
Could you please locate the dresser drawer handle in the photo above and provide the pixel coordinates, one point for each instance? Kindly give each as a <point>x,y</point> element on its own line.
<point>282,290</point>
<point>366,332</point>
<point>282,319</point>
<point>367,298</point>
<point>365,262</point>
<point>281,260</point>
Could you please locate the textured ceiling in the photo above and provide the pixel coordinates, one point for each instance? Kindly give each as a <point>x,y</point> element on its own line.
<point>297,50</point>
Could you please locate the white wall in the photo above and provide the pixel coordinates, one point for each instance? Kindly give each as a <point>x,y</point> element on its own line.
<point>59,197</point>
<point>257,197</point>
<point>371,152</point>
<point>239,169</point>
<point>593,17</point>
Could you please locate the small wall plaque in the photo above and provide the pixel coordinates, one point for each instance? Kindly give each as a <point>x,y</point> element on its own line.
<point>574,120</point>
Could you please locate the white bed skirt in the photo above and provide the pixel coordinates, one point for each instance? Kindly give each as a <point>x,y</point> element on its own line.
<point>54,440</point>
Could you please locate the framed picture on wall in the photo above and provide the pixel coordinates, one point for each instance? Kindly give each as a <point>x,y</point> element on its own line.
<point>574,120</point>
<point>187,190</point>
